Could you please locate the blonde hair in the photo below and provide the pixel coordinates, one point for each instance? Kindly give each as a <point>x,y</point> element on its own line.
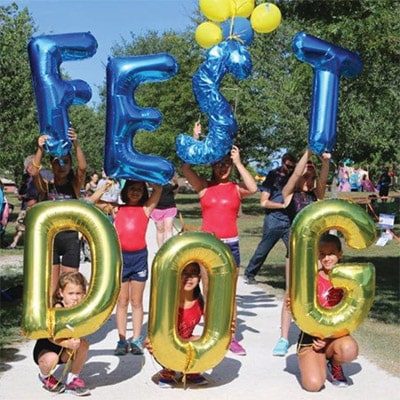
<point>75,278</point>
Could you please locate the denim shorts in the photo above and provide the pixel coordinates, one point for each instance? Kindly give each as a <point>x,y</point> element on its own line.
<point>234,247</point>
<point>135,266</point>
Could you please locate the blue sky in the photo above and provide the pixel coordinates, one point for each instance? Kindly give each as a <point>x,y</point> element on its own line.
<point>108,21</point>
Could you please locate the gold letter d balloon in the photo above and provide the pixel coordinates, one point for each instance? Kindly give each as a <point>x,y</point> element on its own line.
<point>358,280</point>
<point>44,221</point>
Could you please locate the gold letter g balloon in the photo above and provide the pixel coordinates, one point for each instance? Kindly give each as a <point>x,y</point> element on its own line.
<point>357,280</point>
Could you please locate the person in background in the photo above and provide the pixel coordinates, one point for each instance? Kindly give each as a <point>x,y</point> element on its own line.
<point>276,221</point>
<point>131,221</point>
<point>165,212</point>
<point>67,184</point>
<point>111,197</point>
<point>316,355</point>
<point>92,184</point>
<point>48,353</point>
<point>384,183</point>
<point>303,188</point>
<point>191,309</point>
<point>220,201</point>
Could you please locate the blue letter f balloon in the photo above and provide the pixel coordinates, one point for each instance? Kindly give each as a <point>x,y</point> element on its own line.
<point>53,94</point>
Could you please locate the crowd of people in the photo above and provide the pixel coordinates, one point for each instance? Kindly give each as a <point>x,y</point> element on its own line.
<point>131,204</point>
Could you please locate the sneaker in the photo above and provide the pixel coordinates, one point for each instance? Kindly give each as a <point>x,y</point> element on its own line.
<point>196,379</point>
<point>250,280</point>
<point>77,387</point>
<point>281,347</point>
<point>51,384</point>
<point>136,346</point>
<point>166,378</point>
<point>336,375</point>
<point>122,348</point>
<point>237,348</point>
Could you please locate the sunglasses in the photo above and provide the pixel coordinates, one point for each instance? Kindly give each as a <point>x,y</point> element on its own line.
<point>290,166</point>
<point>222,164</point>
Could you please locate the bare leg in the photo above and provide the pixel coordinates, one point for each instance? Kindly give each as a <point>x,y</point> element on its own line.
<point>136,299</point>
<point>312,366</point>
<point>122,310</point>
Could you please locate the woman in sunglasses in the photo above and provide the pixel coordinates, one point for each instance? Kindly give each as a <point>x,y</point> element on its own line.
<point>220,201</point>
<point>66,184</point>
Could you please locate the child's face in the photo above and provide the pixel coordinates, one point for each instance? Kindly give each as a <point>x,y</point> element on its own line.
<point>72,294</point>
<point>190,278</point>
<point>135,192</point>
<point>329,255</point>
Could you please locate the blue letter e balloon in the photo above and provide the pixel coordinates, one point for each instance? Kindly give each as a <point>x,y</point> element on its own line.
<point>124,117</point>
<point>53,94</point>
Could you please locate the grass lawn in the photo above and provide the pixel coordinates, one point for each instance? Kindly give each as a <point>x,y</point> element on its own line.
<point>378,336</point>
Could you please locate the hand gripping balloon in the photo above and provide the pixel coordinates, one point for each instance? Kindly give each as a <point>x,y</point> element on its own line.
<point>168,347</point>
<point>45,220</point>
<point>53,94</point>
<point>357,280</point>
<point>124,117</point>
<point>228,56</point>
<point>329,63</point>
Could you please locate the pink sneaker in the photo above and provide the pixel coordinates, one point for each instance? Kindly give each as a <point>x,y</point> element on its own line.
<point>237,348</point>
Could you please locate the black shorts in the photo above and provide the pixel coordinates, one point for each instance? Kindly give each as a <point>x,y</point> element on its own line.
<point>66,250</point>
<point>45,345</point>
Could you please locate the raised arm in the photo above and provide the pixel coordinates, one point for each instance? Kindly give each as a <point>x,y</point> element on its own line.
<point>248,186</point>
<point>289,188</point>
<point>154,198</point>
<point>323,176</point>
<point>80,174</point>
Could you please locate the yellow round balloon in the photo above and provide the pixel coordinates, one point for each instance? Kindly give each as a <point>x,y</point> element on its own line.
<point>216,10</point>
<point>43,222</point>
<point>169,348</point>
<point>357,280</point>
<point>265,18</point>
<point>208,34</point>
<point>242,8</point>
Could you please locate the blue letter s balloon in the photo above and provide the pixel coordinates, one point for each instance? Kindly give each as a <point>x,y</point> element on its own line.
<point>125,117</point>
<point>329,63</point>
<point>53,94</point>
<point>228,56</point>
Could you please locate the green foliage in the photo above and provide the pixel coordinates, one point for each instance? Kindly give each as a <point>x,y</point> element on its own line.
<point>272,106</point>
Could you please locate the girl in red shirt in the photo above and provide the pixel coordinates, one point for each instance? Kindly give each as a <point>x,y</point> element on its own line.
<point>130,223</point>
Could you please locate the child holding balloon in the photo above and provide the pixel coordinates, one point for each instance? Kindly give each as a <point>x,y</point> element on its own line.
<point>131,221</point>
<point>191,309</point>
<point>313,352</point>
<point>47,353</point>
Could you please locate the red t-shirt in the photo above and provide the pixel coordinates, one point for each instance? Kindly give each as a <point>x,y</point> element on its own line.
<point>328,296</point>
<point>220,208</point>
<point>188,318</point>
<point>131,225</point>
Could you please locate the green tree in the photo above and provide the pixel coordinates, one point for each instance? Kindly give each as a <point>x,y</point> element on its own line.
<point>18,112</point>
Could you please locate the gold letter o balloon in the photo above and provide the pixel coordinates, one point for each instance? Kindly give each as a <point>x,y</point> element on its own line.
<point>358,280</point>
<point>43,222</point>
<point>169,348</point>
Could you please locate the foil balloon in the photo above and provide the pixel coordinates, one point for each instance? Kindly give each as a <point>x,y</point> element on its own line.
<point>238,28</point>
<point>329,63</point>
<point>169,348</point>
<point>124,117</point>
<point>357,280</point>
<point>43,222</point>
<point>53,94</point>
<point>227,56</point>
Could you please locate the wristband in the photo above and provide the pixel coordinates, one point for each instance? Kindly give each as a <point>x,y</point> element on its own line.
<point>38,166</point>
